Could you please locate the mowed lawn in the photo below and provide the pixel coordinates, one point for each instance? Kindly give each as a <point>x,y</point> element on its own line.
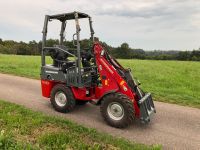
<point>23,129</point>
<point>169,81</point>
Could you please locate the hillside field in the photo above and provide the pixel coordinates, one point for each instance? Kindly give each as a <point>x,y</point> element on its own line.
<point>169,81</point>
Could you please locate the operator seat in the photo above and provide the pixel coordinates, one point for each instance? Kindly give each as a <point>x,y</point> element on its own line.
<point>60,60</point>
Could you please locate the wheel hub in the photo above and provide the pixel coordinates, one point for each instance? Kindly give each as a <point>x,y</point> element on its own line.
<point>60,99</point>
<point>115,111</point>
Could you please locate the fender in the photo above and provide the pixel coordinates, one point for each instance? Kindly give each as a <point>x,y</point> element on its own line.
<point>100,99</point>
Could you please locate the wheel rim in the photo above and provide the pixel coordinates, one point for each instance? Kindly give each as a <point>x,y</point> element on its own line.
<point>60,99</point>
<point>115,111</point>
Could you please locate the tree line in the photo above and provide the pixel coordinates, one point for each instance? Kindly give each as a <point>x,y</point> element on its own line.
<point>124,51</point>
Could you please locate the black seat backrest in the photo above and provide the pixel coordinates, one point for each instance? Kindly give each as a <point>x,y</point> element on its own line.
<point>67,65</point>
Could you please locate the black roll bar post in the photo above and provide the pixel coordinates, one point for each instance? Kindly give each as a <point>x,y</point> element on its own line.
<point>44,31</point>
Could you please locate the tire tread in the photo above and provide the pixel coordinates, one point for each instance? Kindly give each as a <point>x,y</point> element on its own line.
<point>70,99</point>
<point>128,110</point>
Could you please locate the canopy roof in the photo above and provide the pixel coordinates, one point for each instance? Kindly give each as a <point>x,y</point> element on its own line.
<point>68,16</point>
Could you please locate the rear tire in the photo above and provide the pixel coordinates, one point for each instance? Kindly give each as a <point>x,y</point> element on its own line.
<point>117,110</point>
<point>62,99</point>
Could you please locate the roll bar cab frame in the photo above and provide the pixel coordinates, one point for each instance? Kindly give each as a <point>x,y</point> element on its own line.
<point>63,18</point>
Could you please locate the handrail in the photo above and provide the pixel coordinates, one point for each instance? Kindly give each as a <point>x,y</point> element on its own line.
<point>60,49</point>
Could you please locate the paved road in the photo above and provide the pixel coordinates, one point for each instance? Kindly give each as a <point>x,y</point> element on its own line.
<point>175,127</point>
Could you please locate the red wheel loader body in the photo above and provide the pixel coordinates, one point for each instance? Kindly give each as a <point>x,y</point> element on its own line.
<point>95,83</point>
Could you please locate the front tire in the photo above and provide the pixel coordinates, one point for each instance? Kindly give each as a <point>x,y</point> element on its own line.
<point>117,110</point>
<point>62,98</point>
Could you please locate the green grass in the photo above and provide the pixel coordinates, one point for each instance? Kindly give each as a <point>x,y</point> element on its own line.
<point>27,66</point>
<point>169,81</point>
<point>21,128</point>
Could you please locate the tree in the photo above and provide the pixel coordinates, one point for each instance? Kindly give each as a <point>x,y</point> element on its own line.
<point>1,41</point>
<point>125,46</point>
<point>22,49</point>
<point>33,47</point>
<point>123,51</point>
<point>52,42</point>
<point>183,55</point>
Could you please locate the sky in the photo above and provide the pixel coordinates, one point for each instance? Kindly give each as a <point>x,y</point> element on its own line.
<point>146,24</point>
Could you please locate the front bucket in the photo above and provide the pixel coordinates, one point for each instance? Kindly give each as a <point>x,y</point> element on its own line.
<point>147,108</point>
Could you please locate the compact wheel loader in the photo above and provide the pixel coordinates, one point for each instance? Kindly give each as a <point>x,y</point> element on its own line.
<point>79,76</point>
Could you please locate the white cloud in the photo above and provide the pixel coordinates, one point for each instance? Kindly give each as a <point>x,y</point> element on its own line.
<point>148,24</point>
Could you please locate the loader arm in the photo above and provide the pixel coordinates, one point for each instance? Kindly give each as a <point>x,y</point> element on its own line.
<point>114,76</point>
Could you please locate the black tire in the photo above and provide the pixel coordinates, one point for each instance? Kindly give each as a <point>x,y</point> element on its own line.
<point>123,101</point>
<point>70,101</point>
<point>81,102</point>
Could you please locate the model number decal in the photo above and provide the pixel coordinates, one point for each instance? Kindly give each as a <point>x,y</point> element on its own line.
<point>54,72</point>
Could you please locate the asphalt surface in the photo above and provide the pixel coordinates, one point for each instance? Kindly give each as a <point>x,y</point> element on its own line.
<point>173,126</point>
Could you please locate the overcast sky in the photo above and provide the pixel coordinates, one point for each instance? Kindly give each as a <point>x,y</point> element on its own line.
<point>147,24</point>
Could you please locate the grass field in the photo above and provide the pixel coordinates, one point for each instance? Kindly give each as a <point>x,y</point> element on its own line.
<point>21,128</point>
<point>169,81</point>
